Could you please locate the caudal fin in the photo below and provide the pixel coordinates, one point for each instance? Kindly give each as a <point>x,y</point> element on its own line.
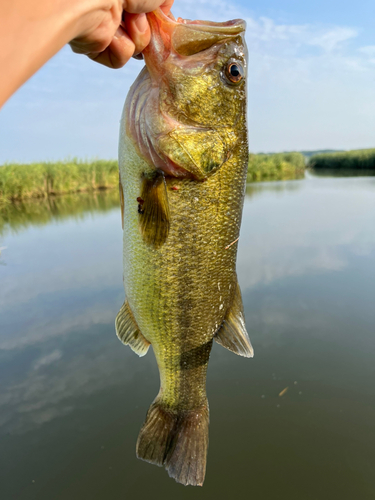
<point>178,441</point>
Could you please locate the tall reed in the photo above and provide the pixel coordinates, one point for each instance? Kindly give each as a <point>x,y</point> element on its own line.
<point>362,159</point>
<point>39,180</point>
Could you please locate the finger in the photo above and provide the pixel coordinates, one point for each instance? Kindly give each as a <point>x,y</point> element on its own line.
<point>118,52</point>
<point>138,29</point>
<point>82,45</point>
<point>137,7</point>
<point>166,7</point>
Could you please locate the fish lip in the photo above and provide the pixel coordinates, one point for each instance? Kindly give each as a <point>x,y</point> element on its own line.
<point>232,27</point>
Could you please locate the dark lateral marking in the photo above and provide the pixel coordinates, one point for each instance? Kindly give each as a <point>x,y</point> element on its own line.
<point>153,209</point>
<point>122,203</point>
<point>196,357</point>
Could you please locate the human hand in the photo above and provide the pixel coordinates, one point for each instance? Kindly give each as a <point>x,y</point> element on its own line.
<point>112,31</point>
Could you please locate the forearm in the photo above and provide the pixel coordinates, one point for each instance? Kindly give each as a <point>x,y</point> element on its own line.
<point>32,32</point>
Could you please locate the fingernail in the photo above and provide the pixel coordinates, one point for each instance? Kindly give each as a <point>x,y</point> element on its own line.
<point>119,33</point>
<point>141,23</point>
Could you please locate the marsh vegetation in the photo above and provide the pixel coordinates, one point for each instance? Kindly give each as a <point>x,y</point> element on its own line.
<point>276,167</point>
<point>40,180</point>
<point>20,182</point>
<point>361,159</point>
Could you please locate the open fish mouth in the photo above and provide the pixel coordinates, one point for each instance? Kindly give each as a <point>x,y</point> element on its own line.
<point>186,37</point>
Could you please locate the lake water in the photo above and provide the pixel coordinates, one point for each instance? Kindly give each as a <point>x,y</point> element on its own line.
<point>73,398</point>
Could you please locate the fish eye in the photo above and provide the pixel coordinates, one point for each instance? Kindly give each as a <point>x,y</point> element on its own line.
<point>234,72</point>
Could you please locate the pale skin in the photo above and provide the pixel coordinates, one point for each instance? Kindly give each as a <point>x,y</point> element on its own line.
<point>109,32</point>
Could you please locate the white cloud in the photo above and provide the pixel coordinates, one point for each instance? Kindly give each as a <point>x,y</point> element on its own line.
<point>266,30</point>
<point>333,38</point>
<point>369,50</point>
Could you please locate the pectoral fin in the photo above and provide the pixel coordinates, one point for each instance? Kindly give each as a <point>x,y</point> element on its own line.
<point>232,334</point>
<point>128,332</point>
<point>153,211</point>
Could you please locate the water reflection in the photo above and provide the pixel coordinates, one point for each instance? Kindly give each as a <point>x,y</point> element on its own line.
<point>52,381</point>
<point>255,188</point>
<point>72,398</point>
<point>320,227</point>
<point>340,173</point>
<point>20,215</point>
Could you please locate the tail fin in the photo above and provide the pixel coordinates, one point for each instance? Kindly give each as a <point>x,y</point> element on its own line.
<point>179,441</point>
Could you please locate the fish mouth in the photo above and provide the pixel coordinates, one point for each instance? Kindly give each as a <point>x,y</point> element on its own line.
<point>233,27</point>
<point>184,36</point>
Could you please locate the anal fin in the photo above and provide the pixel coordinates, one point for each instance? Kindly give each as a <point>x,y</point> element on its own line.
<point>128,332</point>
<point>232,334</point>
<point>154,217</point>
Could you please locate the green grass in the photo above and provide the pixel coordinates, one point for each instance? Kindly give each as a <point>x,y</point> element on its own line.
<point>275,167</point>
<point>40,180</point>
<point>362,159</point>
<point>20,182</point>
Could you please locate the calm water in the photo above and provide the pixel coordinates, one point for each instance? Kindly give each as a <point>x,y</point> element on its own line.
<point>73,398</point>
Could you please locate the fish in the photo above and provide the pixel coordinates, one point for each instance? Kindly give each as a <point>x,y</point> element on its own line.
<point>183,155</point>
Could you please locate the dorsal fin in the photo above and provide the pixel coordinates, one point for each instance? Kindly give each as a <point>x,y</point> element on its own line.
<point>153,209</point>
<point>232,334</point>
<point>128,332</point>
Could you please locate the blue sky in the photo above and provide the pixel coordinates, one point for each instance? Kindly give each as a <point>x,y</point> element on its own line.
<point>311,85</point>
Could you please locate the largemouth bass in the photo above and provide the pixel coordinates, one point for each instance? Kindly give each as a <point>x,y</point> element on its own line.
<point>183,159</point>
